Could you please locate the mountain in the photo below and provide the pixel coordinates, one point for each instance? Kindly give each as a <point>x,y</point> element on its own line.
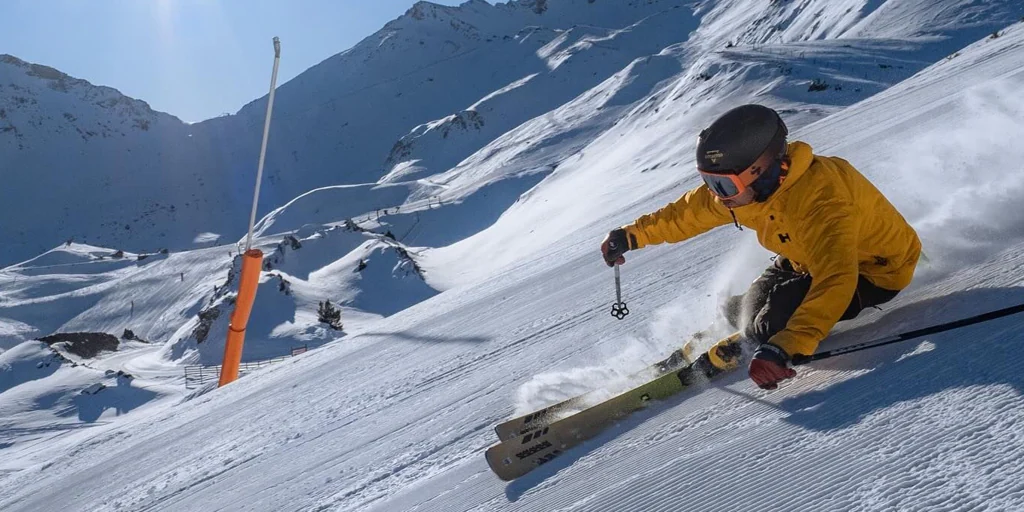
<point>155,177</point>
<point>86,163</point>
<point>464,263</point>
<point>154,182</point>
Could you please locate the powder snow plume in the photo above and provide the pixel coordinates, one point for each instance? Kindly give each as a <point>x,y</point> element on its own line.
<point>961,184</point>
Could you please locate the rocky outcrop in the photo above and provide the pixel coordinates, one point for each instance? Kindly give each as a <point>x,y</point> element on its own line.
<point>83,344</point>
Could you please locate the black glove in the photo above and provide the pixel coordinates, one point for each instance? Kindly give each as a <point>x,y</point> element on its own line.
<point>614,246</point>
<point>770,366</point>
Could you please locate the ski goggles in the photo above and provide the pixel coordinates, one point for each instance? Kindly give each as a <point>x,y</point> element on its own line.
<point>728,186</point>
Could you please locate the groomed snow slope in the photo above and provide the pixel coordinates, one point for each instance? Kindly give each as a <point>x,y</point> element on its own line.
<point>396,418</point>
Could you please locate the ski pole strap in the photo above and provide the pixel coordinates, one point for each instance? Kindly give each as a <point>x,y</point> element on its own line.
<point>896,338</point>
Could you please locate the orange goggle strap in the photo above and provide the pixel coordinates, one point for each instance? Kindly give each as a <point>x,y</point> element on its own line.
<point>727,186</point>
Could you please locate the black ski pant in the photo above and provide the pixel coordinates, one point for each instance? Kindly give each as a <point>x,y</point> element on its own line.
<point>773,298</point>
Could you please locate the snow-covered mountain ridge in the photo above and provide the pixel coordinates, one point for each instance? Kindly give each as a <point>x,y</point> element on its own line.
<point>133,112</point>
<point>364,113</point>
<point>84,162</point>
<point>331,127</point>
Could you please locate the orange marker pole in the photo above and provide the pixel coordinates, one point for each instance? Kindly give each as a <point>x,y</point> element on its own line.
<point>252,263</point>
<point>252,260</point>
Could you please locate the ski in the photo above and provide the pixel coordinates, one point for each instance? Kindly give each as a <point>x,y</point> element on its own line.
<point>526,423</point>
<point>516,457</point>
<point>516,427</point>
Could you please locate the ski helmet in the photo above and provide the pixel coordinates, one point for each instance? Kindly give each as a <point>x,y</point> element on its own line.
<point>736,141</point>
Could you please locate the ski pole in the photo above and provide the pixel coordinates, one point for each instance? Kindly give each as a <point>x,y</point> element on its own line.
<point>896,338</point>
<point>619,309</point>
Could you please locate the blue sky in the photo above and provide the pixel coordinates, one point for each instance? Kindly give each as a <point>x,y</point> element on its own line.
<point>195,59</point>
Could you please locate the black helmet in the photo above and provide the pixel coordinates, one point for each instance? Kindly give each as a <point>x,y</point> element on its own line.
<point>739,138</point>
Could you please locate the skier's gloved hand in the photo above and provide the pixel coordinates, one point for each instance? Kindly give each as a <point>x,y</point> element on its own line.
<point>770,366</point>
<point>614,246</point>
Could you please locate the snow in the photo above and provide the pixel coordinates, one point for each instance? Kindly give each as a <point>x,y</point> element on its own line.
<point>490,300</point>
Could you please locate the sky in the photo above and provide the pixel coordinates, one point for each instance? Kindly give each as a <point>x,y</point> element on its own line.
<point>195,59</point>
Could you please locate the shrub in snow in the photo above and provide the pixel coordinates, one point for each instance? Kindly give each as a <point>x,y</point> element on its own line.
<point>329,315</point>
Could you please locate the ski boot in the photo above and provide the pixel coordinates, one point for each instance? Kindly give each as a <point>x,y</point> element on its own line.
<point>689,351</point>
<point>721,357</point>
<point>683,356</point>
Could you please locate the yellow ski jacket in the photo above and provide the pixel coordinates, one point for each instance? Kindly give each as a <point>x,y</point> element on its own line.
<point>826,218</point>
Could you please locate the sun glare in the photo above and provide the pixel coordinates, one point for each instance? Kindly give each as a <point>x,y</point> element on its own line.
<point>165,19</point>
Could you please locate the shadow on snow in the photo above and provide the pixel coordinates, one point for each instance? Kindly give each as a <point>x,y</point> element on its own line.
<point>979,355</point>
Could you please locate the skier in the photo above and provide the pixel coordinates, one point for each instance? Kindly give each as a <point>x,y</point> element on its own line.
<point>842,246</point>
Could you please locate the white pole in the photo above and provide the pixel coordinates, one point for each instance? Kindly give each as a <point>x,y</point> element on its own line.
<point>263,149</point>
